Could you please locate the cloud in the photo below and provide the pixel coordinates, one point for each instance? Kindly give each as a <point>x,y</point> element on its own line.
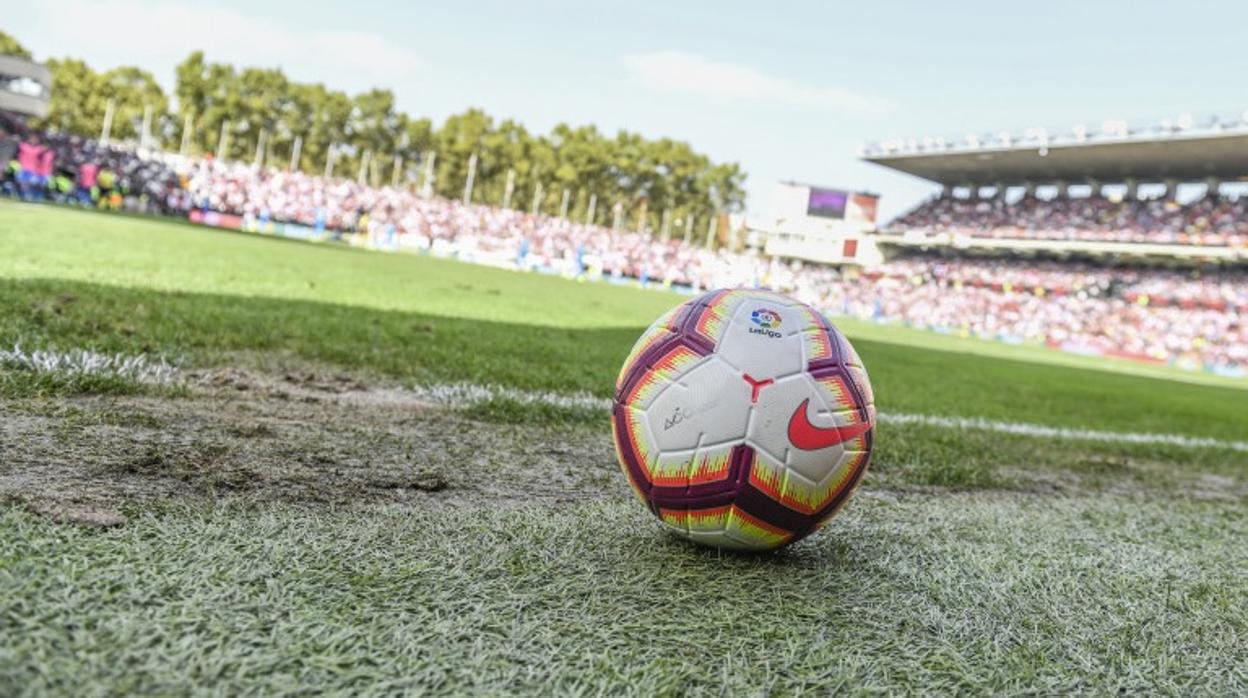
<point>691,73</point>
<point>157,34</point>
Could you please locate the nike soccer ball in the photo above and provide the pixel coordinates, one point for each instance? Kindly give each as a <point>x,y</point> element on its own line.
<point>743,419</point>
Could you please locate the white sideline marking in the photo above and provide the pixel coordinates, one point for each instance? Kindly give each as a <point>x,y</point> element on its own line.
<point>86,362</point>
<point>463,394</point>
<point>140,368</point>
<point>1060,432</point>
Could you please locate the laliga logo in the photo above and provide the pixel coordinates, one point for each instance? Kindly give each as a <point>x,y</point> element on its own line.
<point>767,321</point>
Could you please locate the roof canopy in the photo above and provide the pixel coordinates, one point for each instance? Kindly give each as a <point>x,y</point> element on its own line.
<point>1183,157</point>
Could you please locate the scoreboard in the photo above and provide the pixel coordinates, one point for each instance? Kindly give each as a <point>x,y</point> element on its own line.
<point>822,224</point>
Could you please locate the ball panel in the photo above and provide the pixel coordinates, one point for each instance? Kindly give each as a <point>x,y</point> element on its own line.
<point>768,428</point>
<point>817,345</point>
<point>627,462</point>
<point>724,527</point>
<point>633,446</point>
<point>754,533</point>
<point>718,488</point>
<point>712,318</point>
<point>687,521</point>
<point>708,404</point>
<point>659,331</point>
<point>789,487</point>
<point>763,340</point>
<point>652,377</point>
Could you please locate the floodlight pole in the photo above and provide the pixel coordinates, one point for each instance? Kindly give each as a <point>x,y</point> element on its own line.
<point>330,156</point>
<point>472,175</point>
<point>510,187</point>
<point>666,226</point>
<point>538,191</point>
<point>107,127</point>
<point>426,189</point>
<point>563,205</point>
<point>261,142</point>
<point>688,228</point>
<point>223,141</point>
<point>295,151</point>
<point>147,126</point>
<point>589,213</point>
<point>361,177</point>
<point>185,147</point>
<point>710,230</point>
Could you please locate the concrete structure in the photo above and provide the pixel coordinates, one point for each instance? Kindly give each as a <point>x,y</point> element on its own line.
<point>25,87</point>
<point>821,224</point>
<point>1166,155</point>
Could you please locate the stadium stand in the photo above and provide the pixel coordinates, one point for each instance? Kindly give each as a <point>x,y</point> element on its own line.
<point>1210,220</point>
<point>1192,316</point>
<point>65,169</point>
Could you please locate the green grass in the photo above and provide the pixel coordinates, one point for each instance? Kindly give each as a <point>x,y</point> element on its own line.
<point>960,594</point>
<point>972,563</point>
<point>73,279</point>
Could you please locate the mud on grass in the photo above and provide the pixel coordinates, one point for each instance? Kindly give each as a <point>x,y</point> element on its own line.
<point>294,438</point>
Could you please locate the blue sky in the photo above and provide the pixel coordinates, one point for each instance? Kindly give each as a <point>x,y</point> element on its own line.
<point>789,90</point>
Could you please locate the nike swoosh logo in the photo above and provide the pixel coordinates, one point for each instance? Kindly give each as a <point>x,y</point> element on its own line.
<point>809,437</point>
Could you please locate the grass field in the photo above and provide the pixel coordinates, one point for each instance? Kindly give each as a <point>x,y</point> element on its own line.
<point>294,517</point>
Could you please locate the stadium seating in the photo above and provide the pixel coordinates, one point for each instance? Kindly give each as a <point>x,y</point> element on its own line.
<point>1211,220</point>
<point>1194,318</point>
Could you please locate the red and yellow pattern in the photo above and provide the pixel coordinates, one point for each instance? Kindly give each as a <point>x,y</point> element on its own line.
<point>623,461</point>
<point>843,402</point>
<point>658,332</point>
<point>729,520</point>
<point>669,471</point>
<point>859,374</point>
<point>634,434</point>
<point>664,372</point>
<point>796,492</point>
<point>715,316</point>
<point>815,335</point>
<point>711,466</point>
<point>687,471</point>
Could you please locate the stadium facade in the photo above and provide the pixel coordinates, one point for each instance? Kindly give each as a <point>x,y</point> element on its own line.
<point>25,87</point>
<point>822,224</point>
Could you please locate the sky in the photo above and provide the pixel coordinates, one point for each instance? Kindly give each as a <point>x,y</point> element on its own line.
<point>790,90</point>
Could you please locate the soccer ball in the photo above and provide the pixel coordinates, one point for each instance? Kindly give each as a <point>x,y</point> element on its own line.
<point>743,419</point>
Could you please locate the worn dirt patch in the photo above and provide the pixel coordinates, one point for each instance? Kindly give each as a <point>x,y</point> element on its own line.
<point>295,437</point>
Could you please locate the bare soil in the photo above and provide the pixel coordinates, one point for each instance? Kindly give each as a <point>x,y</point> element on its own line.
<point>296,437</point>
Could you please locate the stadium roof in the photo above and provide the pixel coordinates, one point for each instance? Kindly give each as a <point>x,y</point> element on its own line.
<point>1151,157</point>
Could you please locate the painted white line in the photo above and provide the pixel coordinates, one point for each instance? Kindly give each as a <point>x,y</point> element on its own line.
<point>465,394</point>
<point>86,362</point>
<point>140,368</point>
<point>1041,430</point>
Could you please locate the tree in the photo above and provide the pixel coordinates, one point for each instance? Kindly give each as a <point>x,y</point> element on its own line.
<point>651,175</point>
<point>133,91</point>
<point>12,47</point>
<point>77,103</point>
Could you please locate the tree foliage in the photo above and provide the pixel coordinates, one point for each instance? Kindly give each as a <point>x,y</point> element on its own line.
<point>12,47</point>
<point>641,174</point>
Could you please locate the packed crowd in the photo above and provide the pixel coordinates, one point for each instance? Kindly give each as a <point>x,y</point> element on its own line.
<point>409,220</point>
<point>40,166</point>
<point>1196,318</point>
<point>1163,315</point>
<point>1192,317</point>
<point>1211,220</point>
